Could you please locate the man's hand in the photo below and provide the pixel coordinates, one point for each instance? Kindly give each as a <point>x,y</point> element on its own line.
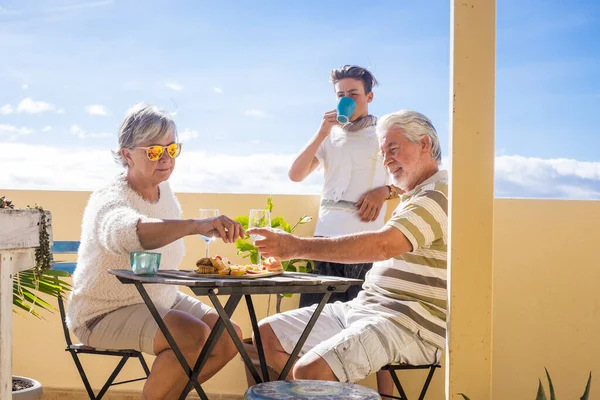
<point>329,120</point>
<point>221,226</point>
<point>276,243</point>
<point>371,202</point>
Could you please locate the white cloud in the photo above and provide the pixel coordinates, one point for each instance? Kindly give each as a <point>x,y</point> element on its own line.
<point>47,128</point>
<point>60,168</point>
<point>174,86</point>
<point>188,134</point>
<point>30,106</point>
<point>218,90</point>
<point>11,129</point>
<point>254,113</point>
<point>81,134</point>
<point>60,111</point>
<point>97,109</point>
<point>24,86</point>
<point>518,176</point>
<point>13,132</point>
<point>6,109</point>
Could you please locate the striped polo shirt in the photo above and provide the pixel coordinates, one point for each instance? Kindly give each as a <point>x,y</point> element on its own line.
<point>411,288</point>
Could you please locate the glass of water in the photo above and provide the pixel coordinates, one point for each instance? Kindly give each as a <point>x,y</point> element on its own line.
<point>259,219</point>
<point>204,214</point>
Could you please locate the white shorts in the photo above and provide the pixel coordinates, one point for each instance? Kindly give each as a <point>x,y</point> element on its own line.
<point>133,327</point>
<point>354,343</point>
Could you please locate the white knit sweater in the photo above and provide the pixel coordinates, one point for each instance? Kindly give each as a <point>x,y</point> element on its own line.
<point>108,235</point>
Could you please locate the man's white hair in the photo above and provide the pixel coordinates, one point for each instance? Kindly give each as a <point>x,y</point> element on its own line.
<point>415,125</point>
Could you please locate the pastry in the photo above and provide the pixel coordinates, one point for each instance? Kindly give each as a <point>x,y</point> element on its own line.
<point>221,265</point>
<point>205,269</point>
<point>237,270</point>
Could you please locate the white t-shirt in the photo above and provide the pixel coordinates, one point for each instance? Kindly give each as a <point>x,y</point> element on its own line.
<point>352,166</point>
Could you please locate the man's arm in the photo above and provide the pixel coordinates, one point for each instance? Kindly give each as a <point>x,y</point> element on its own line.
<point>306,162</point>
<point>363,247</point>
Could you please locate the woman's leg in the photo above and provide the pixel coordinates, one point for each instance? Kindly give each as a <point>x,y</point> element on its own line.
<point>167,378</point>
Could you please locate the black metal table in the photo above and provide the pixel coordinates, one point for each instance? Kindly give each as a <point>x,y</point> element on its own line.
<point>236,288</point>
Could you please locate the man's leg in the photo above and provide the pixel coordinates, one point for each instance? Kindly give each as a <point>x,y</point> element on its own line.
<point>281,332</point>
<point>367,344</point>
<point>385,384</point>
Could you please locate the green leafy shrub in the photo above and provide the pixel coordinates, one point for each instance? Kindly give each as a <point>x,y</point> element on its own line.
<point>541,394</point>
<point>246,249</point>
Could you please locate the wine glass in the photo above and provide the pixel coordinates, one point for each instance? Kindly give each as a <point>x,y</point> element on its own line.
<point>204,214</point>
<point>259,219</point>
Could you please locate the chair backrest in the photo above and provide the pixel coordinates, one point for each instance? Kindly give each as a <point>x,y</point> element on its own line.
<point>64,247</point>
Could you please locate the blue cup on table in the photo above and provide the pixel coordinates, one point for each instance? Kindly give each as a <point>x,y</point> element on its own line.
<point>345,109</point>
<point>144,262</point>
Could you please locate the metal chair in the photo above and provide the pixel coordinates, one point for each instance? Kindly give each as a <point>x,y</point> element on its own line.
<point>392,368</point>
<point>68,247</point>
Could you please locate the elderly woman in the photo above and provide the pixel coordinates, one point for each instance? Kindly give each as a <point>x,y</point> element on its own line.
<point>137,211</point>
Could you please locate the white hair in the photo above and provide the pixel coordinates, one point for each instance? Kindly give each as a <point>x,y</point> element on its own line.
<point>415,126</point>
<point>143,124</point>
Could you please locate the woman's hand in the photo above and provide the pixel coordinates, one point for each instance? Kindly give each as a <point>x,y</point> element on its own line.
<point>222,227</point>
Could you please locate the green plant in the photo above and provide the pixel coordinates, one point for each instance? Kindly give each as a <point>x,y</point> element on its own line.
<point>541,394</point>
<point>247,250</point>
<point>41,279</point>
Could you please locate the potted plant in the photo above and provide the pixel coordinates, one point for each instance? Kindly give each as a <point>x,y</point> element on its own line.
<point>27,287</point>
<point>541,394</point>
<point>247,250</point>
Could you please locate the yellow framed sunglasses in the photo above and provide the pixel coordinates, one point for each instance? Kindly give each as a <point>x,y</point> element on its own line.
<point>156,151</point>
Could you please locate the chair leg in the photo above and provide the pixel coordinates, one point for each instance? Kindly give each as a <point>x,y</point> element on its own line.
<point>427,382</point>
<point>112,377</point>
<point>398,385</point>
<point>83,376</point>
<point>144,365</point>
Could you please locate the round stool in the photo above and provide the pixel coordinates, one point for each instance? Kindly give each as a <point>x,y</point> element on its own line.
<point>309,390</point>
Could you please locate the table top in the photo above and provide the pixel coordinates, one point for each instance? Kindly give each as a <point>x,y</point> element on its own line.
<point>288,282</point>
<point>310,390</point>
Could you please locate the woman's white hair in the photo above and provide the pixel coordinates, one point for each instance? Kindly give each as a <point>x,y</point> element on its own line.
<point>144,124</point>
<point>415,125</point>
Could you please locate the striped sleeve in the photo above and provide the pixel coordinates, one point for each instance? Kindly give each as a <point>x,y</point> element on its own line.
<point>423,219</point>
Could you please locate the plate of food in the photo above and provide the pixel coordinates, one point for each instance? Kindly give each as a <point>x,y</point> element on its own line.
<point>221,267</point>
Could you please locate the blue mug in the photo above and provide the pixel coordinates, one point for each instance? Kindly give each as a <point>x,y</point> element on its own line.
<point>345,109</point>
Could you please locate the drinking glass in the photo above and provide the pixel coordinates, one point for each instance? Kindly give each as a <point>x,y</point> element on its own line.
<point>259,219</point>
<point>208,213</point>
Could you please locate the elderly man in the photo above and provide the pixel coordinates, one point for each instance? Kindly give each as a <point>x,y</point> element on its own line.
<point>400,315</point>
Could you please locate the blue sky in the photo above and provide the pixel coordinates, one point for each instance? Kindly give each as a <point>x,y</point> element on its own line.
<point>250,80</point>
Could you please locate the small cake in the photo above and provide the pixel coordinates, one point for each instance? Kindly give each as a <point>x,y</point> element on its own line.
<point>237,270</point>
<point>204,266</point>
<point>220,264</point>
<point>205,269</point>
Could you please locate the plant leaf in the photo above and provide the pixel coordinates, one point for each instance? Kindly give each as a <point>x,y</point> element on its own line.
<point>26,286</point>
<point>552,394</point>
<point>586,394</point>
<point>280,222</point>
<point>254,257</point>
<point>305,220</point>
<point>244,245</point>
<point>269,204</point>
<point>464,396</point>
<point>541,395</point>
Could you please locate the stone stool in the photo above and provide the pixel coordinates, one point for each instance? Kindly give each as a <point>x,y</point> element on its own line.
<point>310,390</point>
